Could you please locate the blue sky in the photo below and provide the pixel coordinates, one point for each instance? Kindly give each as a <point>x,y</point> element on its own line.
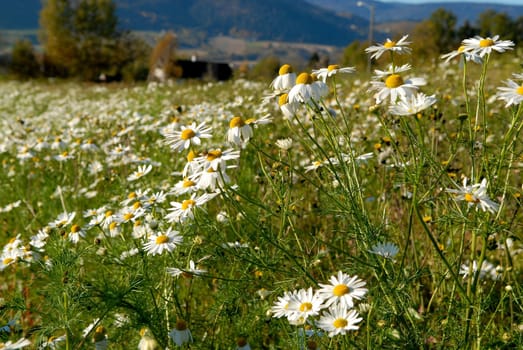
<point>508,2</point>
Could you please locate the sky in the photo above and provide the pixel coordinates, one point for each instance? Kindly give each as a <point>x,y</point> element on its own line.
<point>507,2</point>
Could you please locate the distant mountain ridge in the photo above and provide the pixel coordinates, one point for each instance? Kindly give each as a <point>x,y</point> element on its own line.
<point>398,11</point>
<point>277,20</point>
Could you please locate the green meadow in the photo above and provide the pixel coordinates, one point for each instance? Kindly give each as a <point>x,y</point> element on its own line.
<point>328,211</point>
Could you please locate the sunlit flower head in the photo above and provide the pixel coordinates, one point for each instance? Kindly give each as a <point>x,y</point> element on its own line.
<point>484,46</point>
<point>394,86</point>
<point>338,320</point>
<point>160,242</point>
<point>141,172</point>
<point>512,93</point>
<point>399,47</point>
<point>303,304</point>
<point>62,220</point>
<point>285,80</point>
<point>189,272</point>
<point>181,211</point>
<point>188,135</point>
<point>475,195</point>
<point>464,53</point>
<point>19,344</point>
<point>307,88</point>
<point>387,250</point>
<point>412,104</point>
<point>331,70</point>
<point>343,289</point>
<point>287,108</point>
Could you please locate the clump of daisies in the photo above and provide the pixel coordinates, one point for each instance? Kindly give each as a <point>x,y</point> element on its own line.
<point>331,308</point>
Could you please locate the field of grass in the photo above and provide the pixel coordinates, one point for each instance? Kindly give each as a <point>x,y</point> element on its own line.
<point>208,216</point>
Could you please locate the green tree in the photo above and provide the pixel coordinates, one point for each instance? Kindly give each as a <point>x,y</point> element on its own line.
<point>492,23</point>
<point>444,30</point>
<point>24,63</point>
<point>81,38</point>
<point>467,31</point>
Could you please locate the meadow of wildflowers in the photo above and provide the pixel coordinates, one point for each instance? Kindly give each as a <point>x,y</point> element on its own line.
<point>322,210</point>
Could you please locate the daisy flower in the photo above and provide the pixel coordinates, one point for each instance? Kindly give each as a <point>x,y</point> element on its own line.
<point>184,186</point>
<point>62,220</point>
<point>342,290</point>
<point>281,306</point>
<point>387,250</point>
<point>211,179</point>
<point>240,130</point>
<point>394,86</point>
<point>20,343</point>
<point>338,320</point>
<point>463,53</point>
<point>412,104</point>
<point>147,342</point>
<point>181,333</point>
<point>191,271</point>
<point>181,211</point>
<point>331,70</point>
<point>399,47</point>
<point>307,89</point>
<point>303,304</point>
<point>141,172</point>
<point>512,93</point>
<point>216,159</point>
<point>484,46</point>
<point>76,233</point>
<point>160,242</point>
<point>285,80</point>
<point>192,134</point>
<point>475,195</point>
<point>287,108</point>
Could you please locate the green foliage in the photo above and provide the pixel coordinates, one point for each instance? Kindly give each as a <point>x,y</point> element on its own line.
<point>265,68</point>
<point>83,40</point>
<point>24,63</point>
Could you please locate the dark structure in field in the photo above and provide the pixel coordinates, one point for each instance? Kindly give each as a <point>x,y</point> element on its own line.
<point>204,70</point>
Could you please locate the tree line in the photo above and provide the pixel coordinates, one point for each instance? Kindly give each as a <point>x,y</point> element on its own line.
<point>82,39</point>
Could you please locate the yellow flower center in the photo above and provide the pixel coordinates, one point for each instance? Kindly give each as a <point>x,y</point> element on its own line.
<point>212,155</point>
<point>469,197</point>
<point>181,325</point>
<point>486,42</point>
<point>108,213</point>
<point>340,323</point>
<point>236,122</point>
<point>65,154</point>
<point>393,81</point>
<point>304,307</point>
<point>7,261</point>
<point>128,216</point>
<point>283,99</point>
<point>188,183</point>
<point>250,121</point>
<point>75,228</point>
<point>136,205</point>
<point>162,239</point>
<point>285,69</point>
<point>112,225</point>
<point>186,204</point>
<point>340,290</point>
<point>389,44</point>
<point>304,78</point>
<point>332,67</point>
<point>461,49</point>
<point>187,134</point>
<point>191,156</point>
<point>131,195</point>
<point>519,90</point>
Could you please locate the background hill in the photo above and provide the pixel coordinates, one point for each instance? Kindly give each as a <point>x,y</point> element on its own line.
<point>277,20</point>
<point>398,11</point>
